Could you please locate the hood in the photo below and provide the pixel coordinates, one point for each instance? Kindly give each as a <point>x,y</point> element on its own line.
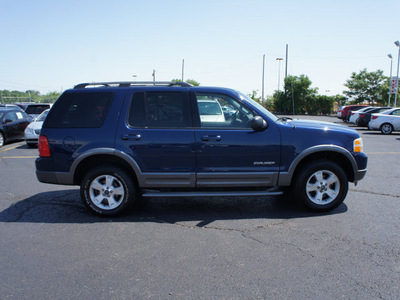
<point>36,125</point>
<point>319,125</point>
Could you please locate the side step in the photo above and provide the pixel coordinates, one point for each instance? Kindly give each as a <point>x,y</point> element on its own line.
<point>270,192</point>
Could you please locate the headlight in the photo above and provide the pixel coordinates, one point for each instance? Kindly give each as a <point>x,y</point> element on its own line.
<point>29,130</point>
<point>358,145</point>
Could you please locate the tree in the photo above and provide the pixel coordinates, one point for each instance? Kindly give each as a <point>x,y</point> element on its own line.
<point>366,87</point>
<point>190,81</point>
<point>298,90</point>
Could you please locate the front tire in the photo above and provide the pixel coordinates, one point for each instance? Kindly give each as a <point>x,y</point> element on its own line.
<point>107,191</point>
<point>321,185</point>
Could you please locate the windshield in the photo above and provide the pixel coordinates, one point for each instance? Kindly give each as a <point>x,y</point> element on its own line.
<point>259,106</point>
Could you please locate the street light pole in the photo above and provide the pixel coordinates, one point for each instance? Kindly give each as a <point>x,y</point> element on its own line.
<point>397,43</point>
<point>262,85</point>
<point>279,72</point>
<point>390,82</point>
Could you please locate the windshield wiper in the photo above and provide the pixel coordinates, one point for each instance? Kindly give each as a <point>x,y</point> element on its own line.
<point>284,119</point>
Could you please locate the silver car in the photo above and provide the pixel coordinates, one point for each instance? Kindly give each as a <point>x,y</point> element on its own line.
<point>32,131</point>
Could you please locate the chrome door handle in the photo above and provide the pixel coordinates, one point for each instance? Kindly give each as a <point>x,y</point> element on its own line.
<point>129,137</point>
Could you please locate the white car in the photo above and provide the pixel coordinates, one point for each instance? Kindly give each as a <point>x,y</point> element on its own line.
<point>386,122</point>
<point>210,111</point>
<point>32,131</point>
<point>354,115</point>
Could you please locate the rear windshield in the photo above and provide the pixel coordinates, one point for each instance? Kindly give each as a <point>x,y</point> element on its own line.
<point>36,109</point>
<point>79,110</point>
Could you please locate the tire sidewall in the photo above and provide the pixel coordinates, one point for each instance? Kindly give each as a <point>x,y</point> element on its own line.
<point>2,139</point>
<point>303,177</point>
<point>122,176</point>
<point>391,128</point>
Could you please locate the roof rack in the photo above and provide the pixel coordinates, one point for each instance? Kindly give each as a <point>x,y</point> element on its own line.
<point>132,83</point>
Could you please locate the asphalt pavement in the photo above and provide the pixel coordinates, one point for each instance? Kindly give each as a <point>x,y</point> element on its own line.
<point>51,247</point>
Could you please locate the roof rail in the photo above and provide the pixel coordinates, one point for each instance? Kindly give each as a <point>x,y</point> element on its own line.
<point>133,83</point>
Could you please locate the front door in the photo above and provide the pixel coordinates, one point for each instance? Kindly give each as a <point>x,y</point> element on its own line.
<point>229,152</point>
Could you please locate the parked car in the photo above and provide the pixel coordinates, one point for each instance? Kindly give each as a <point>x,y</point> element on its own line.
<point>210,111</point>
<point>123,140</point>
<point>13,122</point>
<point>386,122</point>
<point>32,131</point>
<point>11,106</point>
<point>354,114</point>
<point>344,112</point>
<point>364,117</point>
<point>34,109</point>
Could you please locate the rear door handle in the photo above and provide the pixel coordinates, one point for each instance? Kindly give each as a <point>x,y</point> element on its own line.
<point>207,138</point>
<point>130,137</point>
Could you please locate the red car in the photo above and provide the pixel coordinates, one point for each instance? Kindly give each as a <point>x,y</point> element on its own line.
<point>344,112</point>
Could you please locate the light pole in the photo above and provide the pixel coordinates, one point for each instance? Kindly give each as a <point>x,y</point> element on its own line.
<point>390,82</point>
<point>397,43</point>
<point>279,72</point>
<point>262,84</point>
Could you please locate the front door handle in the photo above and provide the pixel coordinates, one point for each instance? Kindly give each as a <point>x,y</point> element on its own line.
<point>207,138</point>
<point>129,137</point>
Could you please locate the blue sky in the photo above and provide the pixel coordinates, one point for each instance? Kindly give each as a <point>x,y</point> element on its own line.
<point>53,45</point>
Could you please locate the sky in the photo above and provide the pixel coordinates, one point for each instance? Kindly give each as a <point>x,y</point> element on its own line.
<point>49,45</point>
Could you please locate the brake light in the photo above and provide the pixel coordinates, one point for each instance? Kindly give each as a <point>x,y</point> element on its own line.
<point>43,146</point>
<point>374,117</point>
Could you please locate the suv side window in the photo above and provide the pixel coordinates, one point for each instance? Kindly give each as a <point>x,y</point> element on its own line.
<point>223,111</point>
<point>160,110</point>
<point>79,110</point>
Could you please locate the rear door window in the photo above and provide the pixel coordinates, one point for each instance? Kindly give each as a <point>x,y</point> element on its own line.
<point>160,110</point>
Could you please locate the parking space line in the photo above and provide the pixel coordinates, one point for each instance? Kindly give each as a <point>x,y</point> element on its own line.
<point>6,157</point>
<point>4,150</point>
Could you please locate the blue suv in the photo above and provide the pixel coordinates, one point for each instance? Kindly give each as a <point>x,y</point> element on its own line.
<point>123,140</point>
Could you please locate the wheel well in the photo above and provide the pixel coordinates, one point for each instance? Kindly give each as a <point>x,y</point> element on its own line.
<point>101,160</point>
<point>335,157</point>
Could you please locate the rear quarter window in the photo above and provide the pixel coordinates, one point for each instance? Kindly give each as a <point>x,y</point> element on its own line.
<point>79,110</point>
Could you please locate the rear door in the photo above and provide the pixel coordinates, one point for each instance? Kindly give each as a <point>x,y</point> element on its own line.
<point>158,135</point>
<point>229,152</point>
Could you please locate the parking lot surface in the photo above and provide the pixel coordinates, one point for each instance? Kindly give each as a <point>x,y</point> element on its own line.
<point>201,248</point>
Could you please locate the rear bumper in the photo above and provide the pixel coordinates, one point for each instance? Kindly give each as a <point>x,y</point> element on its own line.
<point>55,177</point>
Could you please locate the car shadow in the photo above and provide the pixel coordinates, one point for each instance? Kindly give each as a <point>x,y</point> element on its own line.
<point>66,207</point>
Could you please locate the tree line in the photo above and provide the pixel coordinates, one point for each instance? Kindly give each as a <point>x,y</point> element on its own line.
<point>9,97</point>
<point>297,97</point>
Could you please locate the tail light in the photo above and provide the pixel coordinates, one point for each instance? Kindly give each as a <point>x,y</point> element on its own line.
<point>43,146</point>
<point>352,114</point>
<point>362,116</point>
<point>374,117</point>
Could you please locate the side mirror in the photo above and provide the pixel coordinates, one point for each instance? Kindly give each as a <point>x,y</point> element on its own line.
<point>258,124</point>
<point>7,121</point>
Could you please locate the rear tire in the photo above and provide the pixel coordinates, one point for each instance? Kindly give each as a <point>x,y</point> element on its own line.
<point>108,191</point>
<point>386,128</point>
<point>321,185</point>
